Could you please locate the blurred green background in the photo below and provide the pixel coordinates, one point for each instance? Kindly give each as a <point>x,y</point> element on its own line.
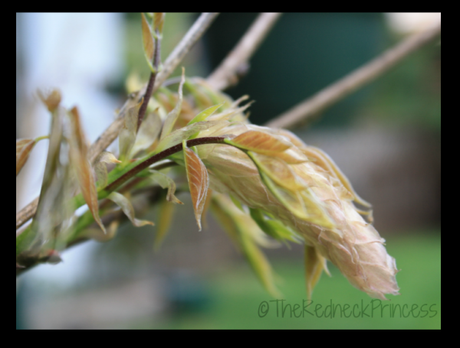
<point>386,139</point>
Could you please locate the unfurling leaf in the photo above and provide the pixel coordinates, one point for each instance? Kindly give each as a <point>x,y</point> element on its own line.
<point>274,228</point>
<point>51,100</point>
<point>205,114</point>
<point>100,167</point>
<point>53,212</point>
<point>80,163</point>
<point>315,263</point>
<point>259,142</point>
<point>198,181</point>
<point>174,114</point>
<point>128,209</point>
<point>148,133</point>
<point>23,148</point>
<point>128,132</point>
<point>166,182</point>
<point>158,21</point>
<point>148,43</point>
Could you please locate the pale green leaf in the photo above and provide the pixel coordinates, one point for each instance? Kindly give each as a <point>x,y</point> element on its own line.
<point>127,135</point>
<point>165,182</point>
<point>174,114</point>
<point>128,209</point>
<point>205,114</point>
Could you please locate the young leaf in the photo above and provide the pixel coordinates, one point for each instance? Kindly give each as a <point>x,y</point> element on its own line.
<point>260,142</point>
<point>166,182</point>
<point>205,114</point>
<point>148,43</point>
<point>148,133</point>
<point>274,228</point>
<point>78,154</point>
<point>127,136</point>
<point>128,209</point>
<point>314,266</point>
<point>100,167</point>
<point>158,21</point>
<point>198,181</point>
<point>166,213</point>
<point>174,114</point>
<point>51,100</point>
<point>23,148</point>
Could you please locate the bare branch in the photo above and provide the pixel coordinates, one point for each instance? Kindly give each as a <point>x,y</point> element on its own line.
<point>356,79</point>
<point>226,74</point>
<point>111,133</point>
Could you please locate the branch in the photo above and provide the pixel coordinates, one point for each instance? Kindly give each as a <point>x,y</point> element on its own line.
<point>111,133</point>
<point>356,79</point>
<point>226,74</point>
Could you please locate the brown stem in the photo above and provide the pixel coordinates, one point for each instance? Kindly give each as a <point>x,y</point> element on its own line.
<point>158,157</point>
<point>111,133</point>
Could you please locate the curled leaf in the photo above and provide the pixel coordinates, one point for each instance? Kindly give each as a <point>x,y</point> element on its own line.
<point>78,154</point>
<point>127,208</point>
<point>274,228</point>
<point>148,133</point>
<point>166,182</point>
<point>23,148</point>
<point>198,181</point>
<point>100,167</point>
<point>51,99</point>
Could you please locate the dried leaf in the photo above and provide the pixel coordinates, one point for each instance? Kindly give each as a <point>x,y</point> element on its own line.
<point>127,136</point>
<point>174,114</point>
<point>128,209</point>
<point>166,182</point>
<point>148,43</point>
<point>80,163</point>
<point>198,181</point>
<point>259,142</point>
<point>23,148</point>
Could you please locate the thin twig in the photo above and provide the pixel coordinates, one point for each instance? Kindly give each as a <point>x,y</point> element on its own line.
<point>356,79</point>
<point>111,133</point>
<point>226,74</point>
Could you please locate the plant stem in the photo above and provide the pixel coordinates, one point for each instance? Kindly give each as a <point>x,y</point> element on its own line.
<point>111,133</point>
<point>298,114</point>
<point>225,74</point>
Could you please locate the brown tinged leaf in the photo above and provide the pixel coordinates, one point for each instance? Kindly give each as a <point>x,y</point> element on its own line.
<point>158,21</point>
<point>80,163</point>
<point>148,43</point>
<point>259,142</point>
<point>198,181</point>
<point>23,148</point>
